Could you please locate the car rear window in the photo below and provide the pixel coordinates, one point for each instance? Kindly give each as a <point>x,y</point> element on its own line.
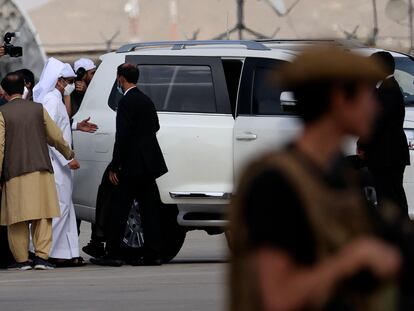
<point>175,88</point>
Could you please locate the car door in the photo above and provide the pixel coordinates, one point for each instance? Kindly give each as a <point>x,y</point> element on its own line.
<point>262,122</point>
<point>196,133</point>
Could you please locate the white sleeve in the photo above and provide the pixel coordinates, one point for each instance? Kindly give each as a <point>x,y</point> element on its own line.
<point>59,157</point>
<point>52,108</point>
<point>74,126</point>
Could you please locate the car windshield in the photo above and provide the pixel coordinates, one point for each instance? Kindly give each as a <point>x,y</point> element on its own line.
<point>404,74</point>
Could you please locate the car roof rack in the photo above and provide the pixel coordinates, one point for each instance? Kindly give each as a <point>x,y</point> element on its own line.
<point>180,45</point>
<point>349,43</point>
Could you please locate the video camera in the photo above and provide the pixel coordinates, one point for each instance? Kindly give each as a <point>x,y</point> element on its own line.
<point>80,74</point>
<point>10,49</point>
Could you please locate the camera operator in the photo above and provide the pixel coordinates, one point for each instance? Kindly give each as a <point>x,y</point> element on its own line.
<point>8,48</point>
<point>85,70</point>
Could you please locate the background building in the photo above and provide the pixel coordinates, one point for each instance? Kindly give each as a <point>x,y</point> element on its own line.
<point>68,29</point>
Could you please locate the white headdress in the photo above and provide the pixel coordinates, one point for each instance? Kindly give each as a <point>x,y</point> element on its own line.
<point>67,72</point>
<point>47,83</point>
<point>84,63</point>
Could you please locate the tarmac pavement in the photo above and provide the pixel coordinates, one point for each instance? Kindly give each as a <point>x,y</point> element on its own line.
<point>195,280</point>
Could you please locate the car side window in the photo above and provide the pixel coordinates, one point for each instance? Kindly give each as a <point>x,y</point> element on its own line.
<point>266,94</point>
<point>404,74</point>
<point>259,92</point>
<point>176,88</point>
<point>266,97</point>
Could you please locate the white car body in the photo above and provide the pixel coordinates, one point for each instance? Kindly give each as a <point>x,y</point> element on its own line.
<point>205,152</point>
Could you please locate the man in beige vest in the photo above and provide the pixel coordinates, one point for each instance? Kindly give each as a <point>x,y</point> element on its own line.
<point>29,199</point>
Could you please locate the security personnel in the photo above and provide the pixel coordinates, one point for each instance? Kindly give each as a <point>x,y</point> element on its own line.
<point>136,164</point>
<point>386,151</point>
<point>303,236</point>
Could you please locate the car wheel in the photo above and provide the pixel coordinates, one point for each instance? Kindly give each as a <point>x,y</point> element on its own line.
<point>173,233</point>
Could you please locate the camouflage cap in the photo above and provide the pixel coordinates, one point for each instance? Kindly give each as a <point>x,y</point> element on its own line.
<point>327,62</point>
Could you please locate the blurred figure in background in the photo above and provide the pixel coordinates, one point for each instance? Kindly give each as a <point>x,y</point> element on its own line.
<point>29,83</point>
<point>6,257</point>
<point>303,235</point>
<point>3,99</point>
<point>386,151</point>
<point>85,70</point>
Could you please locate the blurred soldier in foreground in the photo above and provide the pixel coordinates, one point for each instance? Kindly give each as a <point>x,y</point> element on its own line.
<point>304,237</point>
<point>386,152</point>
<point>29,193</point>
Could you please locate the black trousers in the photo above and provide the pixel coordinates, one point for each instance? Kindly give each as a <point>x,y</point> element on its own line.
<point>106,198</point>
<point>6,257</point>
<point>145,190</point>
<point>389,185</point>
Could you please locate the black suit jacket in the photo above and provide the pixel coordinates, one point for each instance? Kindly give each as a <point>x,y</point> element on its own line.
<point>388,145</point>
<point>136,151</point>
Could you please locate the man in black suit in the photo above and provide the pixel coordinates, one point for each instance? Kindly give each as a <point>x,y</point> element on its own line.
<point>137,163</point>
<point>387,153</point>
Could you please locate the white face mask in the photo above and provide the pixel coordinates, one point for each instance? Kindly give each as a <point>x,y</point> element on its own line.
<point>69,89</point>
<point>25,92</point>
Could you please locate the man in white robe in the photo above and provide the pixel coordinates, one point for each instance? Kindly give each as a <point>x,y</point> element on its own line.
<point>57,80</point>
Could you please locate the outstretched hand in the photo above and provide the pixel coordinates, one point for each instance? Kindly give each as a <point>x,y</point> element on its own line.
<point>86,126</point>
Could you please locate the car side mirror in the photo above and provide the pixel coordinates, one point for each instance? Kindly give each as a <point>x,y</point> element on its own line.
<point>288,102</point>
<point>287,99</point>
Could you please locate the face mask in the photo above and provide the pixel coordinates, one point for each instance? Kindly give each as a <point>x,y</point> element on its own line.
<point>25,92</point>
<point>69,89</point>
<point>119,88</point>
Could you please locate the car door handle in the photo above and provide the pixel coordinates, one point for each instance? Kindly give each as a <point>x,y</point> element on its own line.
<point>246,137</point>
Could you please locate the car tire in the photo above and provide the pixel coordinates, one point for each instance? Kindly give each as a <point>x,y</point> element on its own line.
<point>173,233</point>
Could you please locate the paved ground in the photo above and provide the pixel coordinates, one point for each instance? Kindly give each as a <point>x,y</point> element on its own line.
<point>193,281</point>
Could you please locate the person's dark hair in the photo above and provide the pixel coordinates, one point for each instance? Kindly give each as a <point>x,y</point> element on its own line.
<point>129,71</point>
<point>386,60</point>
<point>28,76</point>
<point>13,83</point>
<point>313,99</point>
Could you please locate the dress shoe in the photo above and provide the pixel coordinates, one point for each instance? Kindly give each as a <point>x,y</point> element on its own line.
<point>94,249</point>
<point>145,262</point>
<point>107,260</point>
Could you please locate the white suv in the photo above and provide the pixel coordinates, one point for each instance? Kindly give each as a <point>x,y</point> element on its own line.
<point>217,110</point>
